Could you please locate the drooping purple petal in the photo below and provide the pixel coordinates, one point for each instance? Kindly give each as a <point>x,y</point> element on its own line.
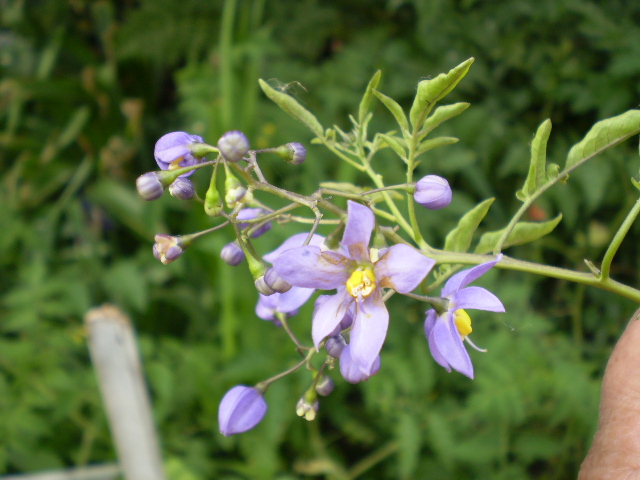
<point>294,241</point>
<point>369,330</point>
<point>241,409</point>
<point>293,299</point>
<point>309,267</point>
<point>476,298</point>
<point>352,371</point>
<point>465,277</point>
<point>266,306</point>
<point>357,231</point>
<point>329,313</point>
<point>402,268</point>
<point>445,340</point>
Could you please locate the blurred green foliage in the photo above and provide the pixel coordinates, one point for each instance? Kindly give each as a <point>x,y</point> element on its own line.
<point>87,87</point>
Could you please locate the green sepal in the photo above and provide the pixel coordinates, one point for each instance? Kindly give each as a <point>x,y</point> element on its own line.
<point>537,168</point>
<point>395,109</point>
<point>459,239</point>
<point>201,150</point>
<point>604,134</point>
<point>523,232</point>
<point>433,90</point>
<point>292,107</point>
<point>433,143</point>
<point>365,103</point>
<point>441,115</point>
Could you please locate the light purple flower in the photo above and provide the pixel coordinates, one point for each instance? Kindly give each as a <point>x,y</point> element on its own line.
<point>168,248</point>
<point>433,192</point>
<point>359,277</point>
<point>241,409</point>
<point>351,371</point>
<point>174,150</point>
<point>447,331</point>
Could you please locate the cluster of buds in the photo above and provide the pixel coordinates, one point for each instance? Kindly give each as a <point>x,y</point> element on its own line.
<point>350,325</point>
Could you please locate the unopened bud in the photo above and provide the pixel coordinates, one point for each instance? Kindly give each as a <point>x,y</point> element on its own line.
<point>433,192</point>
<point>335,345</point>
<point>262,286</point>
<point>306,409</point>
<point>234,190</point>
<point>168,248</point>
<point>232,254</point>
<point>293,153</point>
<point>149,186</point>
<point>241,409</point>
<point>182,189</point>
<point>275,282</point>
<point>233,146</point>
<point>324,386</point>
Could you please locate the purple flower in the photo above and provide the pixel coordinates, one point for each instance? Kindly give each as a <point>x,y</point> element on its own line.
<point>241,409</point>
<point>359,277</point>
<point>233,145</point>
<point>447,331</point>
<point>174,150</point>
<point>433,192</point>
<point>351,371</point>
<point>250,214</point>
<point>167,248</point>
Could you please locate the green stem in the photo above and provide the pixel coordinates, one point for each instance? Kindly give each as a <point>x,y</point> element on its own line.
<point>605,268</point>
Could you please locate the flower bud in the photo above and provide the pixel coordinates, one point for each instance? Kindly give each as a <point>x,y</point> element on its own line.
<point>324,386</point>
<point>234,191</point>
<point>149,186</point>
<point>167,248</point>
<point>293,153</point>
<point>175,150</point>
<point>232,254</point>
<point>250,214</point>
<point>275,282</point>
<point>262,286</point>
<point>307,409</point>
<point>241,409</point>
<point>233,146</point>
<point>335,345</point>
<point>433,192</point>
<point>352,371</point>
<point>182,189</point>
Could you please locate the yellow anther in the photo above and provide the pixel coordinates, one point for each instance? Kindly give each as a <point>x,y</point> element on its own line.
<point>361,283</point>
<point>176,163</point>
<point>463,322</point>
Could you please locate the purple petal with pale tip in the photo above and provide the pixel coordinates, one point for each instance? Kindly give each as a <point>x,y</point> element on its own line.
<point>369,331</point>
<point>309,267</point>
<point>402,268</point>
<point>328,314</point>
<point>465,277</point>
<point>296,240</point>
<point>360,223</point>
<point>477,298</point>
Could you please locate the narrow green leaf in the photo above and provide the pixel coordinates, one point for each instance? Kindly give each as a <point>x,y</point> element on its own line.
<point>441,115</point>
<point>292,107</point>
<point>394,143</point>
<point>74,126</point>
<point>395,109</point>
<point>537,168</point>
<point>368,96</point>
<point>603,135</point>
<point>459,239</point>
<point>433,90</point>
<point>409,438</point>
<point>523,232</point>
<point>433,143</point>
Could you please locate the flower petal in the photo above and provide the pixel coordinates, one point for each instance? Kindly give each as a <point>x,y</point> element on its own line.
<point>465,277</point>
<point>328,313</point>
<point>296,240</point>
<point>309,267</point>
<point>369,331</point>
<point>446,341</point>
<point>360,223</point>
<point>476,298</point>
<point>402,268</point>
<point>293,299</point>
<point>241,409</point>
<point>351,370</point>
<point>266,306</point>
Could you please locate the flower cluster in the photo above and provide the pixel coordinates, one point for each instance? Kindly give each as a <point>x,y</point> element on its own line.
<point>350,323</point>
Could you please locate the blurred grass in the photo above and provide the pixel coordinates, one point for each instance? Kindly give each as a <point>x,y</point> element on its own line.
<point>87,87</point>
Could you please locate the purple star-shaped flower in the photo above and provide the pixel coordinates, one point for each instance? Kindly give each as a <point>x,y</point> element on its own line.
<point>359,275</point>
<point>447,331</point>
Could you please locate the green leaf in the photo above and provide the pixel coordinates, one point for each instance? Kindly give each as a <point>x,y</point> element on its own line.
<point>433,143</point>
<point>603,135</point>
<point>459,239</point>
<point>394,143</point>
<point>441,115</point>
<point>408,435</point>
<point>368,96</point>
<point>434,90</point>
<point>292,107</point>
<point>523,232</point>
<point>537,168</point>
<point>395,109</point>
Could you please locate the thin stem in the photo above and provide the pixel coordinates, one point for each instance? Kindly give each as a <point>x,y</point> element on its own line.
<point>265,383</point>
<point>283,319</point>
<point>605,267</point>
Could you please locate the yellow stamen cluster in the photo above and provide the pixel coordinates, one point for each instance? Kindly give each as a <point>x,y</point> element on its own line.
<point>463,322</point>
<point>361,283</point>
<point>176,163</point>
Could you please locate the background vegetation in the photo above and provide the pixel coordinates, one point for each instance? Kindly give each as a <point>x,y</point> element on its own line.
<point>86,89</point>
